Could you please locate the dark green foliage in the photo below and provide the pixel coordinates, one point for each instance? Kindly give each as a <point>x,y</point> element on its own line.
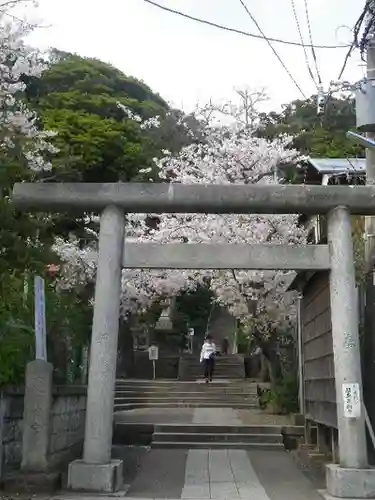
<point>283,398</point>
<point>192,310</point>
<point>77,97</point>
<point>318,136</point>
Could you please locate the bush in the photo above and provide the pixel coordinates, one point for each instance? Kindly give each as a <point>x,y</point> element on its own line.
<point>16,330</point>
<point>283,399</point>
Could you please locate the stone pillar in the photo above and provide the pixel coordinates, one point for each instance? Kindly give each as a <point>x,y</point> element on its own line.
<point>97,472</point>
<point>352,437</point>
<point>36,417</point>
<point>352,477</point>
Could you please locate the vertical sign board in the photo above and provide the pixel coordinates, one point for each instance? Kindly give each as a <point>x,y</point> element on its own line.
<point>352,401</point>
<point>153,355</point>
<point>40,319</point>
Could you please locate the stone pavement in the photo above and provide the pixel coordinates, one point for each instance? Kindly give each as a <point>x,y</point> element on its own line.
<point>203,474</point>
<point>221,475</point>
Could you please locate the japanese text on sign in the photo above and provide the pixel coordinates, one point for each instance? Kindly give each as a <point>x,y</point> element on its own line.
<point>40,319</point>
<point>352,400</point>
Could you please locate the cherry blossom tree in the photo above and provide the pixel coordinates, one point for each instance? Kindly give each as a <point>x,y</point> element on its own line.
<point>20,137</point>
<point>228,154</point>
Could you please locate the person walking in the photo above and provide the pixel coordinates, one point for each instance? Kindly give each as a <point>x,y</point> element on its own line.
<point>208,352</point>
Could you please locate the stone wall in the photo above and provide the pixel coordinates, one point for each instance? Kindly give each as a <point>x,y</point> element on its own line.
<point>67,426</point>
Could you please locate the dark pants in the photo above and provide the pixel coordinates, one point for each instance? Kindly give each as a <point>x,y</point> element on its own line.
<point>209,365</point>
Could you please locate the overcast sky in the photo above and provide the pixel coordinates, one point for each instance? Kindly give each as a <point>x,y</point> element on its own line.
<point>187,62</point>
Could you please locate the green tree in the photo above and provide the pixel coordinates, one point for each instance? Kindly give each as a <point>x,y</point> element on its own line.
<point>317,136</point>
<point>78,98</point>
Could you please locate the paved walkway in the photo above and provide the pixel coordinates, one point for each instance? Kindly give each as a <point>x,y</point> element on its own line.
<point>205,474</point>
<point>217,474</point>
<point>220,474</point>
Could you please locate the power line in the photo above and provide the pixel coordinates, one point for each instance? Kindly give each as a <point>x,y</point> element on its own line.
<point>302,43</point>
<point>272,48</point>
<point>234,30</point>
<point>312,43</point>
<point>22,21</point>
<point>355,44</point>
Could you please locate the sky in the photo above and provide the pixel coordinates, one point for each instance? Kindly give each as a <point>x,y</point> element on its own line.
<point>188,63</point>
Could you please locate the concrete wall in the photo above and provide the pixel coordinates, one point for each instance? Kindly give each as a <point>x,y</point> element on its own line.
<point>67,426</point>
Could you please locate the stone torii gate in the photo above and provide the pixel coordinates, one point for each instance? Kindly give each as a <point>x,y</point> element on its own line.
<point>96,471</point>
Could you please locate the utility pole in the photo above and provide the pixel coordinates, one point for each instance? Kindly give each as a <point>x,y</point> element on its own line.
<point>365,111</point>
<point>369,323</point>
<point>370,175</point>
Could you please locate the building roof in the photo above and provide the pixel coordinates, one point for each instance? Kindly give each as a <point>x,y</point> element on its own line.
<point>338,165</point>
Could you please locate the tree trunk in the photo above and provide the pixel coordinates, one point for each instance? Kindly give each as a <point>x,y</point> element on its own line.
<point>273,361</point>
<point>264,369</point>
<point>125,361</point>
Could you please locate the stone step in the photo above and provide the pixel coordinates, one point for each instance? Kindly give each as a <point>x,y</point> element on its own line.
<point>222,357</point>
<point>207,391</point>
<point>166,382</point>
<point>184,397</point>
<point>136,381</point>
<point>202,402</point>
<point>224,374</point>
<point>217,368</point>
<point>192,437</point>
<point>216,445</point>
<point>218,429</point>
<point>218,362</point>
<point>179,404</point>
<point>182,383</point>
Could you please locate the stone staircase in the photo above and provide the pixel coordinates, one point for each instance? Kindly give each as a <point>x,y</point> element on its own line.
<point>227,367</point>
<point>191,415</point>
<point>266,437</point>
<point>133,394</point>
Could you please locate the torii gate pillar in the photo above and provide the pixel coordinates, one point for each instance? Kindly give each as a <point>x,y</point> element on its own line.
<point>97,472</point>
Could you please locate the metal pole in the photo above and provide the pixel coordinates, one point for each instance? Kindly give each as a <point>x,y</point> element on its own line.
<point>345,337</point>
<point>370,173</point>
<point>103,353</point>
<point>154,369</point>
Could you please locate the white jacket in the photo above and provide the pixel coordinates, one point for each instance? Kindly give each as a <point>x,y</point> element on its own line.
<point>207,350</point>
